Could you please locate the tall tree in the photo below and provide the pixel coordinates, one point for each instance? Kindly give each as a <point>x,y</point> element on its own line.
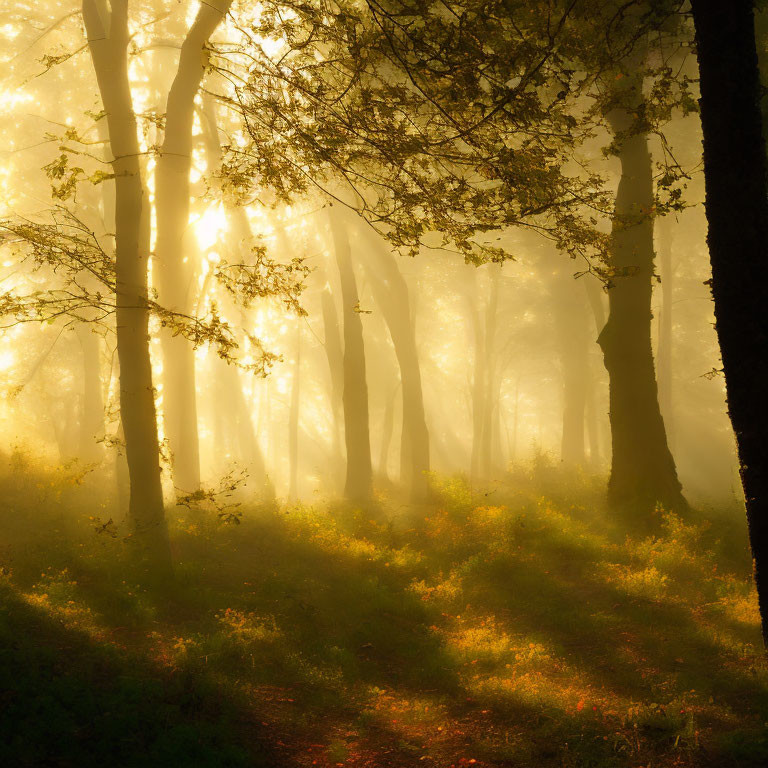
<point>737,212</point>
<point>643,471</point>
<point>92,405</point>
<point>359,477</point>
<point>571,325</point>
<point>392,296</point>
<point>293,420</point>
<point>108,40</point>
<point>173,269</point>
<point>334,352</point>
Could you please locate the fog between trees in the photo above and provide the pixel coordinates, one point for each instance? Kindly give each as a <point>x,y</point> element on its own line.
<point>478,366</point>
<point>287,256</point>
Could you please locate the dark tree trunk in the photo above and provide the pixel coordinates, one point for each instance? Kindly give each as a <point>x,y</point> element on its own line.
<point>108,40</point>
<point>642,469</point>
<point>175,276</point>
<point>737,211</point>
<point>358,483</point>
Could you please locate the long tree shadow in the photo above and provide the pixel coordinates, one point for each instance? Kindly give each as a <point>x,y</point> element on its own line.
<point>301,623</point>
<point>68,700</point>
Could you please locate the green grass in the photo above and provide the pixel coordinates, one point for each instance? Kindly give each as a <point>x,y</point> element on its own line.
<point>520,626</point>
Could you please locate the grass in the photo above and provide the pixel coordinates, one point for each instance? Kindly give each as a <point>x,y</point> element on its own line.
<point>521,626</point>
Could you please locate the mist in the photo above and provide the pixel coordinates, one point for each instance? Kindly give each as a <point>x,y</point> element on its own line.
<point>374,384</point>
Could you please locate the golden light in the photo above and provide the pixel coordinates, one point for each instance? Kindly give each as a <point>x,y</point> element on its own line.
<point>211,226</point>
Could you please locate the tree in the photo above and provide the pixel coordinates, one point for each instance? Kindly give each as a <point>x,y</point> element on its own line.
<point>737,212</point>
<point>393,299</point>
<point>90,282</point>
<point>642,468</point>
<point>359,477</point>
<point>175,274</point>
<point>108,40</point>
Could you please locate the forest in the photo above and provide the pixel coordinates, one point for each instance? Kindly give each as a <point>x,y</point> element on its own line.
<point>383,384</point>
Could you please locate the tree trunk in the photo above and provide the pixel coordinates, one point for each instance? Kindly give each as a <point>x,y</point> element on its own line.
<point>293,421</point>
<point>175,275</point>
<point>240,230</point>
<point>335,355</point>
<point>737,211</point>
<point>392,297</point>
<point>570,316</point>
<point>92,408</point>
<point>472,298</point>
<point>490,393</point>
<point>596,425</point>
<point>642,469</point>
<point>109,52</point>
<point>484,332</point>
<point>358,483</point>
<point>387,427</point>
<point>664,351</point>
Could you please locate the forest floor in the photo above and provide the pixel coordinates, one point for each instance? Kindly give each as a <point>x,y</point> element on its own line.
<point>522,626</point>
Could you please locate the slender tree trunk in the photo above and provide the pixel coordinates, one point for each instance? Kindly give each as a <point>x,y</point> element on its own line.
<point>175,275</point>
<point>92,410</point>
<point>737,211</point>
<point>596,426</point>
<point>484,331</point>
<point>358,483</point>
<point>335,355</point>
<point>478,379</point>
<point>664,352</point>
<point>247,440</point>
<point>108,40</point>
<point>490,392</point>
<point>642,470</point>
<point>240,238</point>
<point>293,421</point>
<point>387,426</point>
<point>392,297</point>
<point>570,316</point>
<point>593,430</point>
<point>515,422</point>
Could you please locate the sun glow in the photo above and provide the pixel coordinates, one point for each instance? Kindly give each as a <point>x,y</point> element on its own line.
<point>7,359</point>
<point>211,226</point>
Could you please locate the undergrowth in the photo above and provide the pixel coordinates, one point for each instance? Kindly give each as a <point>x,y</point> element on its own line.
<point>520,625</point>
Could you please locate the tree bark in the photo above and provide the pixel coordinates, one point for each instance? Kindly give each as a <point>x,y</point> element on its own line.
<point>643,471</point>
<point>737,212</point>
<point>359,476</point>
<point>175,274</point>
<point>108,40</point>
